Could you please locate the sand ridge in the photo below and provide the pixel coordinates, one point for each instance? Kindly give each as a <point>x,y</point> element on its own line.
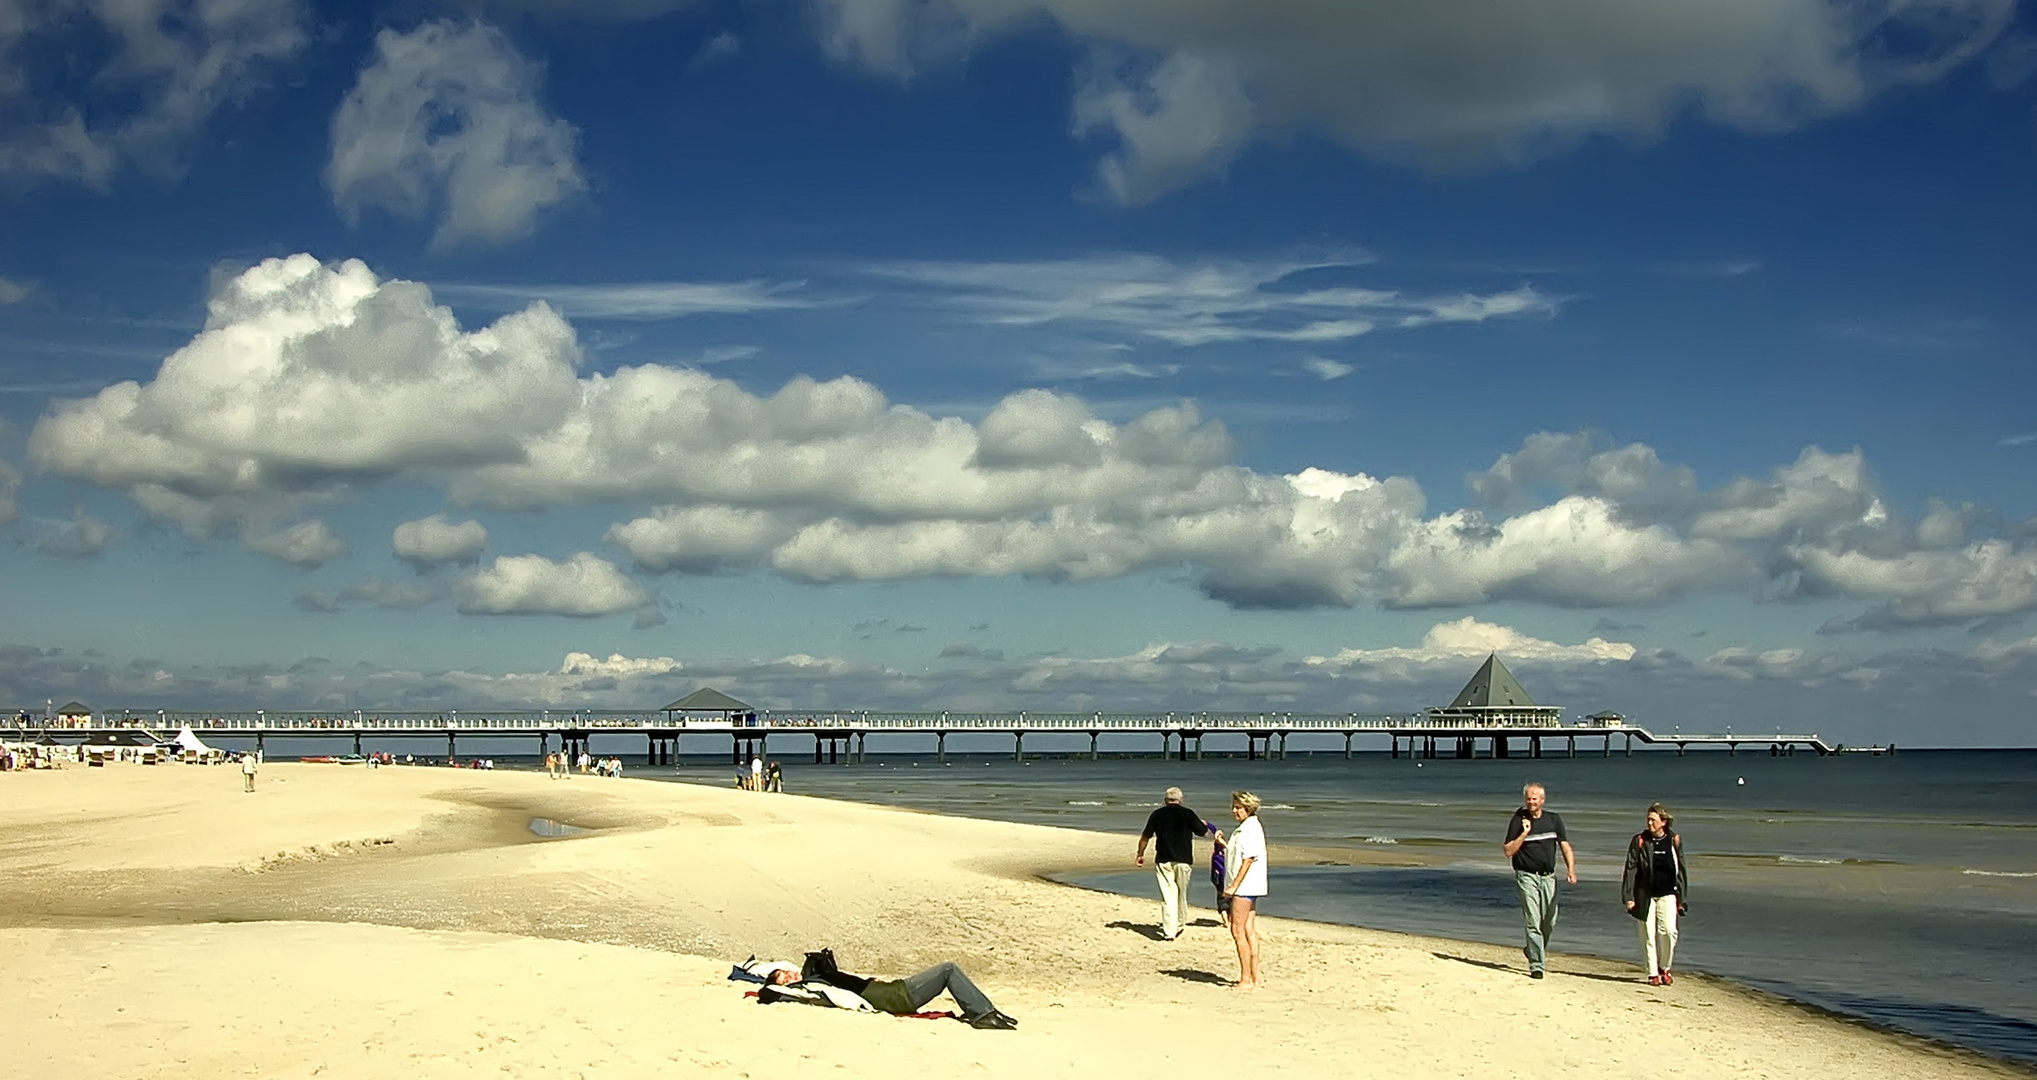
<point>345,922</point>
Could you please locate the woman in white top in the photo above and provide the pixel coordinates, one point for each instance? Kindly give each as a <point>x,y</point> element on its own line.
<point>1245,884</point>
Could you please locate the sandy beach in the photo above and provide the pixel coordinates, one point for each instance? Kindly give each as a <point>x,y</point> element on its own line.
<point>347,922</point>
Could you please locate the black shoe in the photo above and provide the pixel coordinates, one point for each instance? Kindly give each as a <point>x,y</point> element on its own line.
<point>1534,974</point>
<point>994,1020</point>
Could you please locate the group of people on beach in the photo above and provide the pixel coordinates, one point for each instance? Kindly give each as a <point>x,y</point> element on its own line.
<point>762,776</point>
<point>559,765</point>
<point>1654,885</point>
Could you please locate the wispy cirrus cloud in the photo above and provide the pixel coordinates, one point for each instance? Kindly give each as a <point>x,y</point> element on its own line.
<point>1195,303</point>
<point>643,300</point>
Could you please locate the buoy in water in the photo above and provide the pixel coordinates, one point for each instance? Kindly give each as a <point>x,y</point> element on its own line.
<point>1742,781</point>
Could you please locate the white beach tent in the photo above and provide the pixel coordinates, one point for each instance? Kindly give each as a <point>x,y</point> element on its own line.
<point>189,743</point>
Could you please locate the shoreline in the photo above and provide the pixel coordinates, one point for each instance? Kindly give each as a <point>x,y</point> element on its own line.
<point>635,922</point>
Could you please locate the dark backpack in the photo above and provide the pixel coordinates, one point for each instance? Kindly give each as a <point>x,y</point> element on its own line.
<point>820,967</point>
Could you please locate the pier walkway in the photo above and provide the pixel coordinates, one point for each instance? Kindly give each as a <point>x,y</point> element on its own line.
<point>845,736</point>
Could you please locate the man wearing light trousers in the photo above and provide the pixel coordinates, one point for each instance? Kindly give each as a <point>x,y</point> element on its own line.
<point>1175,826</point>
<point>1534,836</point>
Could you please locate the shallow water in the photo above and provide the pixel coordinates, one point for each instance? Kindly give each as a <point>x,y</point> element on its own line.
<point>553,830</point>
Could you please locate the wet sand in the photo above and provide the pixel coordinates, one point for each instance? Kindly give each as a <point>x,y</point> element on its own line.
<point>346,922</point>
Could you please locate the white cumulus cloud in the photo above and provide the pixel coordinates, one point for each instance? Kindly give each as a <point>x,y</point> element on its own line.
<point>435,541</point>
<point>617,666</point>
<point>310,377</point>
<point>583,586</point>
<point>312,383</point>
<point>1453,643</point>
<point>447,117</point>
<point>699,539</point>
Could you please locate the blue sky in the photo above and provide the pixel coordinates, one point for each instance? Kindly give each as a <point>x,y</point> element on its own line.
<point>1044,354</point>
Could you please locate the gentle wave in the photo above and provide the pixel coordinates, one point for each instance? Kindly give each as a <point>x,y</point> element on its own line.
<point>1381,840</point>
<point>2001,873</point>
<point>1087,802</point>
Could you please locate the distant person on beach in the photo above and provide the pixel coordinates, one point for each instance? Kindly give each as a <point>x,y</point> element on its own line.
<point>247,772</point>
<point>1245,886</point>
<point>774,777</point>
<point>756,773</point>
<point>1174,826</point>
<point>1534,836</point>
<point>903,997</point>
<point>1654,888</point>
<point>584,761</point>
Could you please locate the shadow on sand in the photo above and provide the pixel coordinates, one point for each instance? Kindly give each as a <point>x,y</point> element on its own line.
<point>1194,975</point>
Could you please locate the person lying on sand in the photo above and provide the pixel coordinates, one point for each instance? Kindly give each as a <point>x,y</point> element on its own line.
<point>903,997</point>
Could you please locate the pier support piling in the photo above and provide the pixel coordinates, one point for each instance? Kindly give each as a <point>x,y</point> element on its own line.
<point>941,747</point>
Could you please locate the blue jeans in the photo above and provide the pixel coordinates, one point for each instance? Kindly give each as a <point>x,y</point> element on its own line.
<point>1538,911</point>
<point>928,984</point>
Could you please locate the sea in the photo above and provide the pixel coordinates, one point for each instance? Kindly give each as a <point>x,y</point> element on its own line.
<point>1899,890</point>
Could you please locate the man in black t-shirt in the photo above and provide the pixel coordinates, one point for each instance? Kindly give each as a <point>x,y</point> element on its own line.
<point>1534,836</point>
<point>1175,826</point>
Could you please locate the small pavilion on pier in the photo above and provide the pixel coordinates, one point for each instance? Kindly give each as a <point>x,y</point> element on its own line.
<point>707,700</point>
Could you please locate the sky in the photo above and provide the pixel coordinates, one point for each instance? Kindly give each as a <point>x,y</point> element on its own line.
<point>1055,355</point>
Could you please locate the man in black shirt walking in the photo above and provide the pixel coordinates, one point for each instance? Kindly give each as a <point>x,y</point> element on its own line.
<point>1534,836</point>
<point>1175,826</point>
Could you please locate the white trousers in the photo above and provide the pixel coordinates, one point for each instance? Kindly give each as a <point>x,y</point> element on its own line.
<point>1174,878</point>
<point>1658,934</point>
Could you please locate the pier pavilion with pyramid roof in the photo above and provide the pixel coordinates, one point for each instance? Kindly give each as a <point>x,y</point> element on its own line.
<point>1494,698</point>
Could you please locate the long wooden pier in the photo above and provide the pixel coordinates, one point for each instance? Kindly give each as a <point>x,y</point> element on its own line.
<point>845,736</point>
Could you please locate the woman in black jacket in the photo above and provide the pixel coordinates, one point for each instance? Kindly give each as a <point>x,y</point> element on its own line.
<point>1656,890</point>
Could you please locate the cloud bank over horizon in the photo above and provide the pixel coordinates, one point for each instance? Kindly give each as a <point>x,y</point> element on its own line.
<point>1656,688</point>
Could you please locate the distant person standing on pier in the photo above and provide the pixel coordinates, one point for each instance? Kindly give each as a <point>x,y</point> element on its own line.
<point>247,771</point>
<point>1174,826</point>
<point>1534,836</point>
<point>1245,887</point>
<point>1654,886</point>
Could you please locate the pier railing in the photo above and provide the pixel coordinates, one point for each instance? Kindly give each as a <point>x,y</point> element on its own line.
<point>578,725</point>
